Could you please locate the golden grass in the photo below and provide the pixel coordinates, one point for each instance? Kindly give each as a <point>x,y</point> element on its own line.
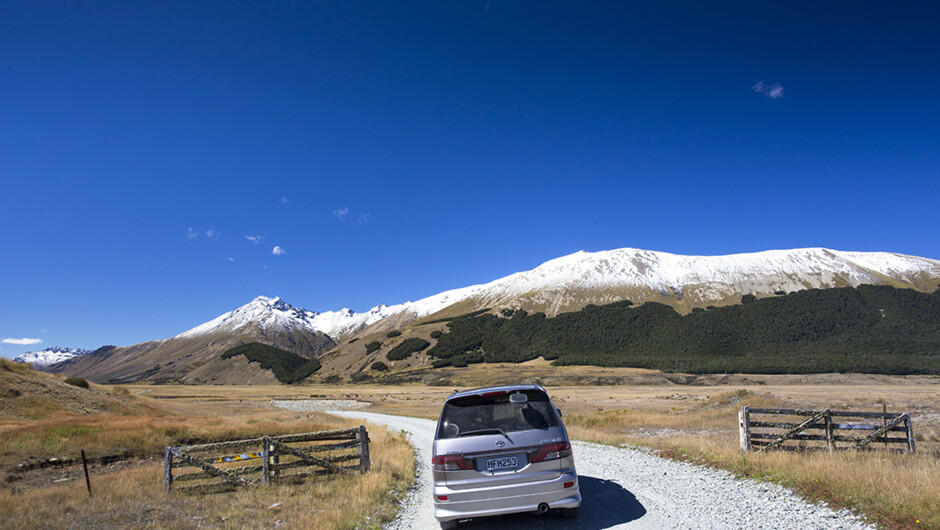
<point>892,490</point>
<point>8,365</point>
<point>135,498</point>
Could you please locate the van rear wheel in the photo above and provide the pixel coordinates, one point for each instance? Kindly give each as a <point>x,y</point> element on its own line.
<point>449,525</point>
<point>569,513</point>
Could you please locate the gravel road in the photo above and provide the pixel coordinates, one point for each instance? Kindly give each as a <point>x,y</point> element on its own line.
<point>629,488</point>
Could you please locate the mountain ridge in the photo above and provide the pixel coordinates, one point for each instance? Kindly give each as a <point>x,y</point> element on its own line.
<point>49,356</point>
<point>567,283</point>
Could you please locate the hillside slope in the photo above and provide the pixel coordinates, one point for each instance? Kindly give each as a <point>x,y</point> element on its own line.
<point>26,394</point>
<point>194,356</point>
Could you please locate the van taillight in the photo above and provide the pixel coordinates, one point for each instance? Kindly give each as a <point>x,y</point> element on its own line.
<point>450,463</point>
<point>551,452</point>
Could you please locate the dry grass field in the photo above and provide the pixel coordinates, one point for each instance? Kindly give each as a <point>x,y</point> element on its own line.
<point>126,448</point>
<point>683,417</point>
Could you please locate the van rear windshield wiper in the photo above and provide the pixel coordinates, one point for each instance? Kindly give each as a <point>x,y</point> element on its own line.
<point>490,430</point>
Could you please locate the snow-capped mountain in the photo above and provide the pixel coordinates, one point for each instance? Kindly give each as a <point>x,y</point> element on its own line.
<point>642,275</point>
<point>570,282</point>
<point>271,313</point>
<point>564,284</point>
<point>43,358</point>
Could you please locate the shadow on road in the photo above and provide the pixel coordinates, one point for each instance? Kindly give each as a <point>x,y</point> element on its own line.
<point>604,504</point>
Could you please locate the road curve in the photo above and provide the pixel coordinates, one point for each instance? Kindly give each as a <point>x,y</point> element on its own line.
<point>628,488</point>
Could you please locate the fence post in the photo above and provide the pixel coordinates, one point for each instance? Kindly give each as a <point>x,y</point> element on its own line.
<point>910,433</point>
<point>85,467</point>
<point>745,429</point>
<point>364,462</point>
<point>167,470</point>
<point>266,460</point>
<point>830,432</point>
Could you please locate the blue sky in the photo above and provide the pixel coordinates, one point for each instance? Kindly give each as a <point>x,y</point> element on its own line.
<point>153,155</point>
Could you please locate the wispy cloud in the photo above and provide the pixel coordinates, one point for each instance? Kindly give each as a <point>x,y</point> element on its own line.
<point>22,342</point>
<point>774,91</point>
<point>254,238</point>
<point>343,214</point>
<point>231,259</point>
<point>284,200</point>
<point>210,234</point>
<point>278,251</point>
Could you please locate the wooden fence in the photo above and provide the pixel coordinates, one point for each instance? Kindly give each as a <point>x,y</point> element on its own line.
<point>789,429</point>
<point>313,454</point>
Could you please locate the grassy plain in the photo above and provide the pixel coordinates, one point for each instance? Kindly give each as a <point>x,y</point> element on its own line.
<point>683,417</point>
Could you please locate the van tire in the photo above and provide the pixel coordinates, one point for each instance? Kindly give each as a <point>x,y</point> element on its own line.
<point>449,525</point>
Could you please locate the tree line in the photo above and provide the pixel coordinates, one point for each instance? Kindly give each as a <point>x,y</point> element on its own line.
<point>870,329</point>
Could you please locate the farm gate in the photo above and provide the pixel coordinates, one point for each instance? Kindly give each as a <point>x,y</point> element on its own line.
<point>267,459</point>
<point>763,429</point>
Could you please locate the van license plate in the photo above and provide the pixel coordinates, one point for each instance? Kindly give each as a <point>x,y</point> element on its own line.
<point>497,464</point>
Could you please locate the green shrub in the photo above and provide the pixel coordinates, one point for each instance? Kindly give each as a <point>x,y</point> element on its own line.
<point>379,366</point>
<point>869,329</point>
<point>393,333</point>
<point>436,334</point>
<point>406,348</point>
<point>77,381</point>
<point>373,346</point>
<point>287,367</point>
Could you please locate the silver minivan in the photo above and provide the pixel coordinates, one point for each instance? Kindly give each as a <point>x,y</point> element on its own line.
<point>501,450</point>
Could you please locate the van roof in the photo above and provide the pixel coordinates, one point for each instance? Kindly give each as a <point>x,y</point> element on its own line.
<point>487,389</point>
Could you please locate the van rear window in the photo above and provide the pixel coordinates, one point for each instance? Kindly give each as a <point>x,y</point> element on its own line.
<point>493,413</point>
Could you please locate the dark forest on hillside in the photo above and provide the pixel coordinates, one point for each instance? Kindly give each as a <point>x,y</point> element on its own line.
<point>869,329</point>
<point>287,367</point>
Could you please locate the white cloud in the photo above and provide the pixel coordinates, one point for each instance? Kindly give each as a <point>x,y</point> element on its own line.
<point>774,91</point>
<point>196,234</point>
<point>23,342</point>
<point>341,213</point>
<point>284,200</point>
<point>254,239</point>
<point>278,251</point>
<point>363,219</point>
<point>231,259</point>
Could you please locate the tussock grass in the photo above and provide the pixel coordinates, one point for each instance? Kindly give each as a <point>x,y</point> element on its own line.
<point>8,365</point>
<point>134,498</point>
<point>140,435</point>
<point>892,490</point>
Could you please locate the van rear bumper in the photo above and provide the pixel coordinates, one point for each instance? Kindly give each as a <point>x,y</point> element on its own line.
<point>505,499</point>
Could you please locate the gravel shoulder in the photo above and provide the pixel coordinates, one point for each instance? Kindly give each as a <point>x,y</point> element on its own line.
<point>629,488</point>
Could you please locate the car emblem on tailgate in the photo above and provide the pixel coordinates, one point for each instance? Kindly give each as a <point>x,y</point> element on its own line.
<point>500,443</point>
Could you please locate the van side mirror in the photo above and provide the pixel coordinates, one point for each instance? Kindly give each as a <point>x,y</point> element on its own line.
<point>559,412</point>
